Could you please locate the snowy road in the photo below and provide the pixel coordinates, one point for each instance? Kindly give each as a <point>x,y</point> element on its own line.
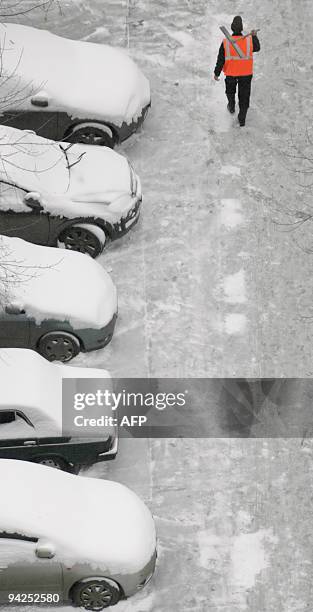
<point>210,284</point>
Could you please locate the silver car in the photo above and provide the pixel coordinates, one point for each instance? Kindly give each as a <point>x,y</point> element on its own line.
<point>64,538</point>
<point>55,302</point>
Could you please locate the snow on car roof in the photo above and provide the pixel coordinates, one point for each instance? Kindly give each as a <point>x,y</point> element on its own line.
<point>33,385</point>
<point>87,80</point>
<point>60,284</point>
<point>89,520</point>
<point>97,176</point>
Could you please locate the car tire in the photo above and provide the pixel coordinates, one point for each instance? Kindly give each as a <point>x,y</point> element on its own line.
<point>58,346</point>
<point>95,594</point>
<point>76,468</point>
<point>84,238</point>
<point>91,134</point>
<point>58,463</point>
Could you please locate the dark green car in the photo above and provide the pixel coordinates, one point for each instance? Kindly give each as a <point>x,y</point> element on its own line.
<point>56,302</point>
<point>72,90</point>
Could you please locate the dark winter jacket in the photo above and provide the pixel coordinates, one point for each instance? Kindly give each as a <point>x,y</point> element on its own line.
<point>221,54</point>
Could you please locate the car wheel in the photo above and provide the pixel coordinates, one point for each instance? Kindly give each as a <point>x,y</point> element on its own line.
<point>91,134</point>
<point>84,238</point>
<point>58,346</point>
<point>55,462</point>
<point>96,594</point>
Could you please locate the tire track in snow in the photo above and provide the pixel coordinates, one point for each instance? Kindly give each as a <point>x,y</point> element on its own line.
<point>233,284</point>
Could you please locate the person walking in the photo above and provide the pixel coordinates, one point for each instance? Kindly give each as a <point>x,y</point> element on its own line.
<point>237,70</point>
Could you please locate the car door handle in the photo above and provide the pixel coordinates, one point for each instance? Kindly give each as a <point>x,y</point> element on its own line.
<point>30,443</point>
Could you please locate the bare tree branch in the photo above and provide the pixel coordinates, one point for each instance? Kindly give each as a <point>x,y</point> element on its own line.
<point>8,10</point>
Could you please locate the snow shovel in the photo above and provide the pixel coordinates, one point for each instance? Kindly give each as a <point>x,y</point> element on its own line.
<point>246,35</point>
<point>233,42</point>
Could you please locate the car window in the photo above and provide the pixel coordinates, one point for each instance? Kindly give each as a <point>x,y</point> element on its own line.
<point>7,416</point>
<point>12,196</point>
<point>14,424</point>
<point>7,535</point>
<point>16,550</point>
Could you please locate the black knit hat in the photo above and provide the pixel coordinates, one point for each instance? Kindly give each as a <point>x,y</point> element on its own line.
<point>237,25</point>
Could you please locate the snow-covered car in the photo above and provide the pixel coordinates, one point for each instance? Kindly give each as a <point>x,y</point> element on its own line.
<point>87,541</point>
<point>56,302</point>
<point>68,89</point>
<point>31,413</point>
<point>55,194</point>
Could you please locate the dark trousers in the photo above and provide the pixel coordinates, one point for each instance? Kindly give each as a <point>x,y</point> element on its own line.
<point>244,89</point>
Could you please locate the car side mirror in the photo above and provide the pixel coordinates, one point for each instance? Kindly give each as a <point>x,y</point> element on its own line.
<point>40,99</point>
<point>45,550</point>
<point>14,309</point>
<point>33,200</point>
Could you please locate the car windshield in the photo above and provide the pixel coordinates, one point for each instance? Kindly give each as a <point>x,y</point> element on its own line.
<point>34,163</point>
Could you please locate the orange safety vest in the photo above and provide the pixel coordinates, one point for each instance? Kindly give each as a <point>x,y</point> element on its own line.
<point>234,64</point>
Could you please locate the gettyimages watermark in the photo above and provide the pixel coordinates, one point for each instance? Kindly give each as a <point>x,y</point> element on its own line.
<point>188,408</point>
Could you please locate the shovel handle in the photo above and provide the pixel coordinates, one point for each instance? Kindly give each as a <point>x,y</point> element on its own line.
<point>246,35</point>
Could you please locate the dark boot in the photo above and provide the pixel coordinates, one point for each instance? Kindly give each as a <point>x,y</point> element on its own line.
<point>242,116</point>
<point>243,109</point>
<point>244,88</point>
<point>231,103</point>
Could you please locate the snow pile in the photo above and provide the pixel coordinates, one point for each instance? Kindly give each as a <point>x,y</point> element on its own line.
<point>235,323</point>
<point>248,558</point>
<point>33,385</point>
<point>85,80</point>
<point>49,283</point>
<point>71,180</point>
<point>89,521</point>
<point>235,288</point>
<point>231,213</point>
